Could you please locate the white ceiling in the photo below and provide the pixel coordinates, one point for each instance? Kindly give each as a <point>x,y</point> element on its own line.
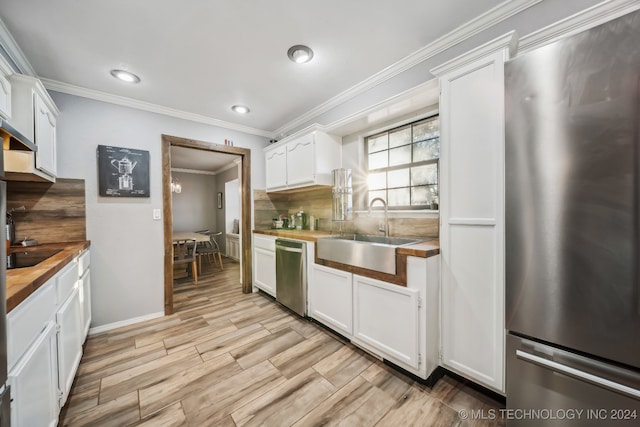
<point>203,56</point>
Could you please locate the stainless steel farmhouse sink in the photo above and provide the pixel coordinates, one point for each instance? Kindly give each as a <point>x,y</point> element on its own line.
<point>362,250</point>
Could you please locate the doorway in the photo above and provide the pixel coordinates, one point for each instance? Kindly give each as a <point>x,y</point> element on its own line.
<point>245,220</point>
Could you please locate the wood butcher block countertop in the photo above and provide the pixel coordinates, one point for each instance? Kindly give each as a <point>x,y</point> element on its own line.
<point>426,249</point>
<point>22,282</point>
<point>308,235</point>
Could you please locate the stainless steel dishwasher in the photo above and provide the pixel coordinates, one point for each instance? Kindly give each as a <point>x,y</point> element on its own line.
<point>291,275</point>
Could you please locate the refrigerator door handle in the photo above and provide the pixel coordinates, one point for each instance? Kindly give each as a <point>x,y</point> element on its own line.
<point>578,374</point>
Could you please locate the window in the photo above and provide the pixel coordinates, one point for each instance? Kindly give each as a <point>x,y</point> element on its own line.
<point>402,165</point>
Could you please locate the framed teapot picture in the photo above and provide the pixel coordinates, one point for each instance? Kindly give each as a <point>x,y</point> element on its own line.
<point>122,172</point>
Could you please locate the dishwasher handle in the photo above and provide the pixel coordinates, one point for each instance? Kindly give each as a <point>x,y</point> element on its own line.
<point>288,249</point>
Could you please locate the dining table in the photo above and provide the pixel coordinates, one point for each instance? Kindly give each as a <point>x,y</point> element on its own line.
<point>191,235</point>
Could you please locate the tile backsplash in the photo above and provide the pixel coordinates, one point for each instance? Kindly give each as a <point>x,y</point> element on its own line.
<point>318,202</point>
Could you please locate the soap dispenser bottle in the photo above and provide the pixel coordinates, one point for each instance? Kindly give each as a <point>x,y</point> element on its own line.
<point>300,219</point>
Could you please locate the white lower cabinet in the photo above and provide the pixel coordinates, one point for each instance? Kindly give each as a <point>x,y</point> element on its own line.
<point>264,263</point>
<point>84,288</point>
<point>331,298</point>
<point>398,323</point>
<point>34,383</point>
<point>69,320</point>
<point>45,335</point>
<point>386,318</point>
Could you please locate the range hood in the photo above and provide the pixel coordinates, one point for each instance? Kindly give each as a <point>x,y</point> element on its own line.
<point>18,156</point>
<point>13,139</point>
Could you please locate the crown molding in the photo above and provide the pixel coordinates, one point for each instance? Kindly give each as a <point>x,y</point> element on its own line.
<point>15,53</point>
<point>70,89</point>
<point>583,20</point>
<point>507,41</point>
<point>488,19</point>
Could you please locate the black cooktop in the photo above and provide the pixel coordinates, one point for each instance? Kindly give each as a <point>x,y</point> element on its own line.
<point>29,258</point>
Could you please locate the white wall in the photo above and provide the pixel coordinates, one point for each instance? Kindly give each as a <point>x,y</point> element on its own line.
<point>195,207</point>
<point>126,243</point>
<point>232,204</point>
<point>223,178</point>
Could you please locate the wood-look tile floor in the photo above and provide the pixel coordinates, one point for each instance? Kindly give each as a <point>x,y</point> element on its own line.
<point>229,359</point>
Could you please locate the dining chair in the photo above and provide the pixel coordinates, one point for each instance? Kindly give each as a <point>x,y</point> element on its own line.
<point>184,252</point>
<point>210,249</point>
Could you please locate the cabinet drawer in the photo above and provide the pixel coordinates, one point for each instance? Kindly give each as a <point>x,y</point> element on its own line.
<point>84,260</point>
<point>26,321</point>
<point>67,280</point>
<point>264,242</point>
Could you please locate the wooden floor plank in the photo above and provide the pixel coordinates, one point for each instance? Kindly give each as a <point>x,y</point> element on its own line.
<point>420,409</point>
<point>309,352</point>
<point>171,416</point>
<point>117,412</point>
<point>226,396</point>
<point>150,373</point>
<point>344,365</point>
<point>192,381</point>
<point>287,403</point>
<point>264,348</point>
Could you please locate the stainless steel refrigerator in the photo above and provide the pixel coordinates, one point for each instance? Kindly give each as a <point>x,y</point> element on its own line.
<point>573,230</point>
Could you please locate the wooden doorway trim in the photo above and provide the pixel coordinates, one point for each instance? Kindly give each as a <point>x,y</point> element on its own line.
<point>245,196</point>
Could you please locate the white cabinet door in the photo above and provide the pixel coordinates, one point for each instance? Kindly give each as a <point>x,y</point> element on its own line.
<point>472,215</point>
<point>5,97</point>
<point>331,298</point>
<point>69,320</point>
<point>301,161</point>
<point>45,137</point>
<point>34,383</point>
<point>386,317</point>
<point>265,270</point>
<point>84,287</point>
<point>276,168</point>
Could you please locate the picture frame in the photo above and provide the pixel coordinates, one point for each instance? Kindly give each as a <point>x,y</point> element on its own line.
<point>122,172</point>
<point>220,200</point>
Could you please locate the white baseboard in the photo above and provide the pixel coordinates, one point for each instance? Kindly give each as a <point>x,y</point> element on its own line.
<point>120,324</point>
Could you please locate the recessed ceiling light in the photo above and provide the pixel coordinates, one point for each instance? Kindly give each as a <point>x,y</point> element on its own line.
<point>300,54</point>
<point>240,109</point>
<point>125,76</point>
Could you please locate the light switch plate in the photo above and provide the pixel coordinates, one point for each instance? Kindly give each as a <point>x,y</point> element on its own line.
<point>157,214</point>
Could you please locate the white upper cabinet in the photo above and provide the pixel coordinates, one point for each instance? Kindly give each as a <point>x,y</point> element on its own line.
<point>472,212</point>
<point>45,137</point>
<point>34,115</point>
<point>302,160</point>
<point>5,90</point>
<point>276,167</point>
